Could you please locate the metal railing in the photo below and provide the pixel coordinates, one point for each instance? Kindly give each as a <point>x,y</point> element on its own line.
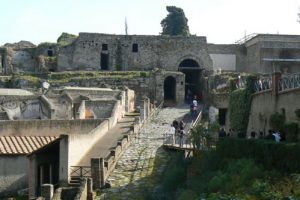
<point>185,140</point>
<point>80,171</point>
<point>263,84</point>
<point>288,82</point>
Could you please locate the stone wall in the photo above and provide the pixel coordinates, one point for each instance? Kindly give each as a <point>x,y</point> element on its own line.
<point>158,85</point>
<point>24,60</point>
<point>48,127</point>
<point>150,51</point>
<point>101,109</point>
<point>253,59</point>
<point>13,174</point>
<point>264,104</point>
<point>23,107</point>
<point>230,57</point>
<point>85,142</point>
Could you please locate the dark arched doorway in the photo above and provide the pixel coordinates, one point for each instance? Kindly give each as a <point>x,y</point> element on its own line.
<point>170,89</point>
<point>192,72</point>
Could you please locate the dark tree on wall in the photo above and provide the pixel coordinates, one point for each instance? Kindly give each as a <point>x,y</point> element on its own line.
<point>175,22</point>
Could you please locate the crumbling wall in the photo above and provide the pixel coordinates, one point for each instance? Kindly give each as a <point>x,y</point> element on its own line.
<point>138,52</point>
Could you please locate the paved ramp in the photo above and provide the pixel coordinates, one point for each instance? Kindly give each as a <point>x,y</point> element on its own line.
<point>143,162</point>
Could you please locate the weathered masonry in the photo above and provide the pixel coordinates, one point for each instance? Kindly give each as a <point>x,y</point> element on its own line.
<point>95,51</point>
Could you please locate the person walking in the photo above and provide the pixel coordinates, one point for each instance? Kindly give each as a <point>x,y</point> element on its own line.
<point>172,134</point>
<point>181,137</point>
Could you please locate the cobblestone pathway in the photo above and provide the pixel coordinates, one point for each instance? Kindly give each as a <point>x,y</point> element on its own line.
<point>138,170</point>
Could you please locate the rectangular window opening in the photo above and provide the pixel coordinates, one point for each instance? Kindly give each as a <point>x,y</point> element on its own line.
<point>104,47</point>
<point>135,48</point>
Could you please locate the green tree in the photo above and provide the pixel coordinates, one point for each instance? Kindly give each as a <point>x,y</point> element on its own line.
<point>175,22</point>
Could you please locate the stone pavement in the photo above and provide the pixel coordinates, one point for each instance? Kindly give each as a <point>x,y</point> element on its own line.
<point>102,147</point>
<point>139,169</point>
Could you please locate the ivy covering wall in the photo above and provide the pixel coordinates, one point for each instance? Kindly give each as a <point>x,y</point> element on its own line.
<point>119,61</point>
<point>240,106</point>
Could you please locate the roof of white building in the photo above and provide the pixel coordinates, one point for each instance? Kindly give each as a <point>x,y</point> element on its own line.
<point>18,145</point>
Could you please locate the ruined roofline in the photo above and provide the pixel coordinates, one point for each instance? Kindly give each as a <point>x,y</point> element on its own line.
<point>224,45</point>
<point>263,37</point>
<point>140,36</point>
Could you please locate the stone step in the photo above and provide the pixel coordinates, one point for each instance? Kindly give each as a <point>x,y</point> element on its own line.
<point>75,181</point>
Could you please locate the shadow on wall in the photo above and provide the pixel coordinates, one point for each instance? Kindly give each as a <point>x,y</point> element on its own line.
<point>10,185</point>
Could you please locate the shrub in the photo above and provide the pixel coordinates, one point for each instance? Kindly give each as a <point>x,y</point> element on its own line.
<point>263,190</point>
<point>187,195</point>
<point>297,112</point>
<point>291,130</point>
<point>280,156</point>
<point>277,120</point>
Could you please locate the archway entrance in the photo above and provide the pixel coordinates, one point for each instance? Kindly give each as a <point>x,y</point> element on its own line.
<point>192,72</point>
<point>170,89</point>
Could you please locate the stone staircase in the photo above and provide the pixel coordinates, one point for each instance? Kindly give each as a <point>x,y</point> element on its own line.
<point>75,181</point>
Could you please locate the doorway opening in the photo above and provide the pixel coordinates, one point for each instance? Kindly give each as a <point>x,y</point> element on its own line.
<point>170,89</point>
<point>104,61</point>
<point>222,116</point>
<point>192,72</point>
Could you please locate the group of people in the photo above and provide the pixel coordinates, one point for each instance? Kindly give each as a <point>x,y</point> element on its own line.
<point>222,133</point>
<point>177,128</point>
<point>277,136</point>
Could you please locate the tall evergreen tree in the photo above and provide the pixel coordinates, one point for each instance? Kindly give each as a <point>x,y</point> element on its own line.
<point>175,22</point>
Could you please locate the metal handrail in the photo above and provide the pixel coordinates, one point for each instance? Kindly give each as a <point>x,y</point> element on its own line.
<point>291,81</point>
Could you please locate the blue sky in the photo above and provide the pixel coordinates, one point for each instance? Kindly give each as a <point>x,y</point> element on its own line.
<point>221,21</point>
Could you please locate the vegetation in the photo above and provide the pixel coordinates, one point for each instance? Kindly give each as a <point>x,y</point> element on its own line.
<point>238,170</point>
<point>291,130</point>
<point>282,157</point>
<point>119,60</point>
<point>297,112</point>
<point>175,23</point>
<point>277,121</point>
<point>66,39</point>
<point>46,45</point>
<point>50,59</point>
<point>240,106</point>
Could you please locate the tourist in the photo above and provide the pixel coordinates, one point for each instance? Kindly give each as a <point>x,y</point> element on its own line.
<point>277,136</point>
<point>181,139</point>
<point>222,133</point>
<point>252,135</point>
<point>175,124</point>
<point>181,124</point>
<point>172,134</point>
<point>195,103</point>
<point>230,132</point>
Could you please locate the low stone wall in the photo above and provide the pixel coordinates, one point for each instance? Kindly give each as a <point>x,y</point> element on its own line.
<point>85,191</point>
<point>48,127</point>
